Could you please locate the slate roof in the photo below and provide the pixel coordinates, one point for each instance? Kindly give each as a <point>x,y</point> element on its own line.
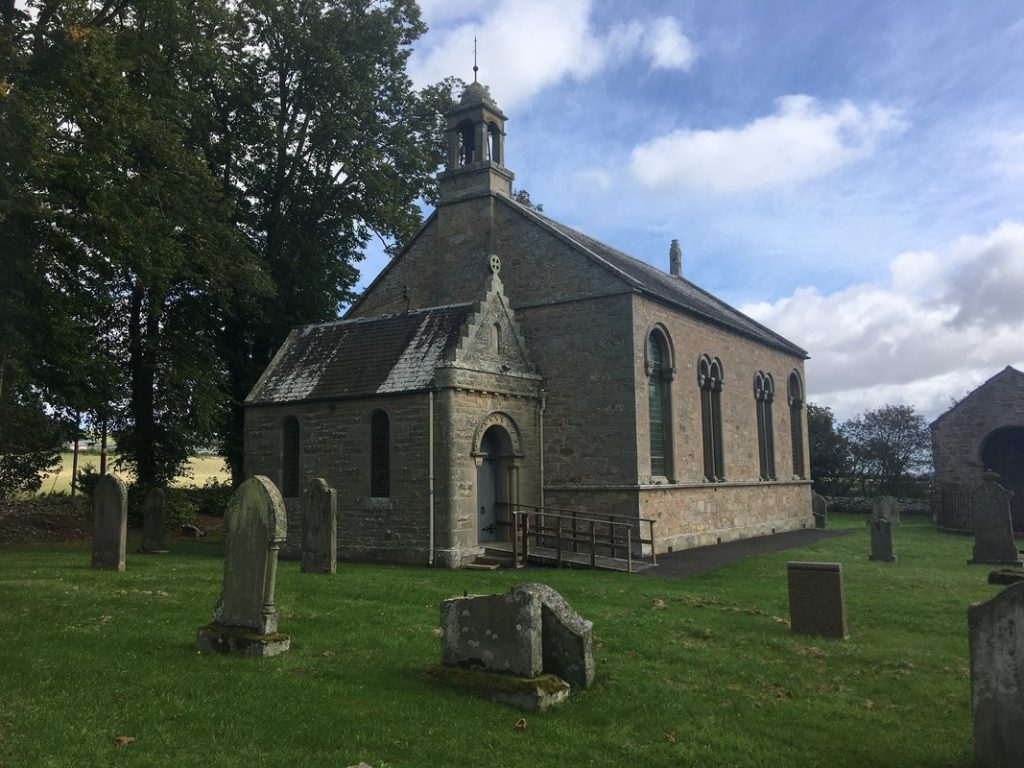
<point>354,358</point>
<point>649,280</point>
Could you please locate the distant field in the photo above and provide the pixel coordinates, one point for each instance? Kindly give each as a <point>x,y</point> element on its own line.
<point>200,469</point>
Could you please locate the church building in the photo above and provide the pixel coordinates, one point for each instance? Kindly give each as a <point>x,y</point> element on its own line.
<point>503,361</point>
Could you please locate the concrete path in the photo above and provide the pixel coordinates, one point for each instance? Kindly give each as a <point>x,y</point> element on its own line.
<point>690,562</point>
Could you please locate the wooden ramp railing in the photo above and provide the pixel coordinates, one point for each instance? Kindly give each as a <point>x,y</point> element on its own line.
<point>571,537</point>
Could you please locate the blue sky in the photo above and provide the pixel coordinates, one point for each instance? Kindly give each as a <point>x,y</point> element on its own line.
<point>850,174</point>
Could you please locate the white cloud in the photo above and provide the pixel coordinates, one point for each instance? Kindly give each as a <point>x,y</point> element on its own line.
<point>942,324</point>
<point>527,45</point>
<point>669,47</point>
<point>802,140</point>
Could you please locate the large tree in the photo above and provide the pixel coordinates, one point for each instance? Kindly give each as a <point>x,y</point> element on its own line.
<point>183,181</point>
<point>888,445</point>
<point>316,133</point>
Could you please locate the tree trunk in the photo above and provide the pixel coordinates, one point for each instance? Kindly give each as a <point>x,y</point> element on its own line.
<point>74,454</point>
<point>103,448</point>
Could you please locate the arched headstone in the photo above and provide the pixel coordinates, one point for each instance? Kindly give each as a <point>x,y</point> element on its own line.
<point>993,529</point>
<point>244,619</point>
<point>319,528</point>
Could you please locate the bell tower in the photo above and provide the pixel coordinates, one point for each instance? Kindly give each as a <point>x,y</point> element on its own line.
<point>476,148</point>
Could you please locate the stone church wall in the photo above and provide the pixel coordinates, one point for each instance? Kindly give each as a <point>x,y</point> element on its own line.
<point>334,443</point>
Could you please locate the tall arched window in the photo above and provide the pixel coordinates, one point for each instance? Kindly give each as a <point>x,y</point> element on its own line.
<point>380,455</point>
<point>494,143</point>
<point>796,423</point>
<point>711,380</point>
<point>290,457</point>
<point>764,394</point>
<point>659,373</point>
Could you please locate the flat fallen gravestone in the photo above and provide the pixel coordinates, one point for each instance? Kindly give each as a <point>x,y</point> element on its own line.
<point>110,523</point>
<point>993,527</point>
<point>881,541</point>
<point>244,619</point>
<point>817,605</point>
<point>320,528</point>
<point>996,635</point>
<point>153,527</point>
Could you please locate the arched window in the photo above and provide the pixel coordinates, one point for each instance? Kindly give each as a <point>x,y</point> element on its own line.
<point>380,455</point>
<point>496,338</point>
<point>467,143</point>
<point>290,458</point>
<point>494,143</point>
<point>764,394</point>
<point>659,374</point>
<point>796,423</point>
<point>711,380</point>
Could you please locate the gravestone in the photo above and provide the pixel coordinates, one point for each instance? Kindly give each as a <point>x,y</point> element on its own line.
<point>500,633</point>
<point>993,528</point>
<point>153,528</point>
<point>817,605</point>
<point>881,541</point>
<point>996,636</point>
<point>110,523</point>
<point>885,508</point>
<point>320,528</point>
<point>566,637</point>
<point>526,647</point>
<point>819,507</point>
<point>244,619</point>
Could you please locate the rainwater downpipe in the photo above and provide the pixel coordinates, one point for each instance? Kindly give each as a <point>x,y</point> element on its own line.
<point>430,460</point>
<point>543,405</point>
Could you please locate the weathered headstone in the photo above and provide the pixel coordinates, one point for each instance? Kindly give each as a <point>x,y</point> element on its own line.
<point>110,523</point>
<point>567,638</point>
<point>819,507</point>
<point>245,620</point>
<point>993,527</point>
<point>881,541</point>
<point>320,528</point>
<point>885,508</point>
<point>526,647</point>
<point>153,523</point>
<point>817,605</point>
<point>996,635</point>
<point>500,633</point>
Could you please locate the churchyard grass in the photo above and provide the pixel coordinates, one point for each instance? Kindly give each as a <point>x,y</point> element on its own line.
<point>696,672</point>
<point>200,469</point>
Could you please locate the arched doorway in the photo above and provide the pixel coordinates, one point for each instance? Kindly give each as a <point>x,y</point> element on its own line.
<point>1002,451</point>
<point>498,454</point>
<point>488,484</point>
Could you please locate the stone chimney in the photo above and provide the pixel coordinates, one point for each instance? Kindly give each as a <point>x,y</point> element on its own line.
<point>675,260</point>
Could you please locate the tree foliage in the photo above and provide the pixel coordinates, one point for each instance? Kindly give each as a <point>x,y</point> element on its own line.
<point>879,450</point>
<point>829,452</point>
<point>185,180</point>
<point>29,438</point>
<point>888,445</point>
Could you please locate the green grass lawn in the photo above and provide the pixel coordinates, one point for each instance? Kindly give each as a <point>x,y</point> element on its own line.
<point>200,469</point>
<point>694,672</point>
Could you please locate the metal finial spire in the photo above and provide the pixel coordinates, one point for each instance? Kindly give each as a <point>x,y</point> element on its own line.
<point>475,67</point>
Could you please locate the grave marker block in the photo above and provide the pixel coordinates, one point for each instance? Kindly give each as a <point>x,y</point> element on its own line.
<point>819,508</point>
<point>319,528</point>
<point>153,528</point>
<point>110,523</point>
<point>993,528</point>
<point>996,636</point>
<point>817,605</point>
<point>881,541</point>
